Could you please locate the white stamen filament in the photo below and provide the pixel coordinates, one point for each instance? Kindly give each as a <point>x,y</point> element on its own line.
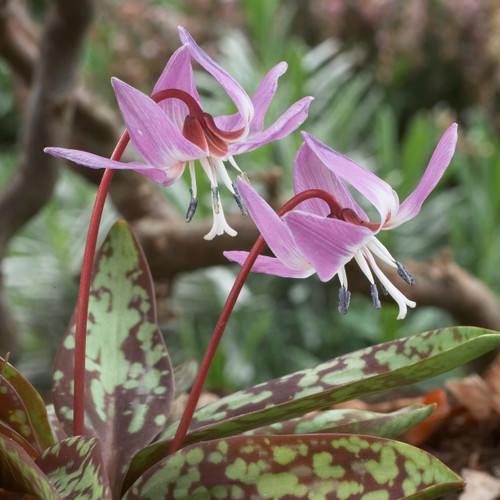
<point>219,225</point>
<point>232,161</point>
<point>363,265</point>
<point>400,299</point>
<point>221,169</point>
<point>209,170</point>
<point>381,252</point>
<point>193,178</point>
<point>342,277</point>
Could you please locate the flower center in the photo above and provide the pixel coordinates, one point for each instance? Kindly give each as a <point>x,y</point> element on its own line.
<point>349,215</point>
<point>199,127</point>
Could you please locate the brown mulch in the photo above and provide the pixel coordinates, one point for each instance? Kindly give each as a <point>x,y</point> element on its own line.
<point>463,431</point>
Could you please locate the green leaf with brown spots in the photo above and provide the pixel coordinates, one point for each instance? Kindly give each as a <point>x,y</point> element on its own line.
<point>386,425</point>
<point>15,421</point>
<point>367,371</point>
<point>23,409</point>
<point>76,469</point>
<point>18,472</point>
<point>313,467</point>
<point>129,377</point>
<point>8,432</point>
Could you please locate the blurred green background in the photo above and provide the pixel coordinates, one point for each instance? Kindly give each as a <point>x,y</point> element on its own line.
<point>388,77</point>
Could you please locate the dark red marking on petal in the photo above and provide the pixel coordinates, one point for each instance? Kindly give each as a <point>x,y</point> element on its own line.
<point>186,98</point>
<point>200,127</point>
<point>223,134</point>
<point>193,131</point>
<point>349,215</point>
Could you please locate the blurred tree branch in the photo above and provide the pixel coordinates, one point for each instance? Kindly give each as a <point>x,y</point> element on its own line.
<point>171,245</point>
<point>440,282</point>
<point>47,115</point>
<point>95,126</point>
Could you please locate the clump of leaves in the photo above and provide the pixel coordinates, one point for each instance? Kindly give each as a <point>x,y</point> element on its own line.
<point>257,443</point>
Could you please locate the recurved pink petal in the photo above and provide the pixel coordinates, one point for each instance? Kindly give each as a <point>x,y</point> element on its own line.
<point>230,123</point>
<point>178,74</point>
<point>326,243</point>
<point>437,166</point>
<point>164,177</point>
<point>377,191</point>
<point>153,134</point>
<point>264,95</point>
<point>272,228</point>
<point>231,86</point>
<point>309,172</point>
<point>290,120</point>
<point>270,265</point>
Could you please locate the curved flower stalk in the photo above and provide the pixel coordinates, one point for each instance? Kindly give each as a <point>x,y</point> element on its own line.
<point>317,238</point>
<point>176,131</point>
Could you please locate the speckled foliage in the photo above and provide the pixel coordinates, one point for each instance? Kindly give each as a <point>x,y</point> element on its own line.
<point>314,467</point>
<point>23,416</point>
<point>386,425</point>
<point>129,390</point>
<point>129,378</point>
<point>353,375</point>
<point>75,467</point>
<point>366,371</point>
<point>19,473</point>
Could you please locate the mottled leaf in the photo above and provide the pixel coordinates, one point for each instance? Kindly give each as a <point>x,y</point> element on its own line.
<point>19,473</point>
<point>8,432</point>
<point>14,415</point>
<point>370,370</point>
<point>76,469</point>
<point>366,371</point>
<point>33,402</point>
<point>314,467</point>
<point>370,423</point>
<point>184,376</point>
<point>129,378</point>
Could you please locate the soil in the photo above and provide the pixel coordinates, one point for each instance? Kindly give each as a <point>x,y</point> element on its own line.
<point>463,444</point>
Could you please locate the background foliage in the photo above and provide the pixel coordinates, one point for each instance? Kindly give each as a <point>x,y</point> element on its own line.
<point>385,89</point>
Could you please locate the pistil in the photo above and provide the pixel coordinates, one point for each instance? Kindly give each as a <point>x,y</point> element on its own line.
<point>200,128</point>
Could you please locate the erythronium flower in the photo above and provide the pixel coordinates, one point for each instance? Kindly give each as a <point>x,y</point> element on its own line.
<point>316,238</point>
<point>174,132</point>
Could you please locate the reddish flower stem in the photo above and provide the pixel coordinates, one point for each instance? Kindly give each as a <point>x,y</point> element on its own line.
<point>86,274</point>
<point>84,291</point>
<point>194,396</point>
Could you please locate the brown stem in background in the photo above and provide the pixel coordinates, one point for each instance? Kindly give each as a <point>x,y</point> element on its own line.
<point>47,117</point>
<point>96,127</point>
<point>174,247</point>
<point>440,282</point>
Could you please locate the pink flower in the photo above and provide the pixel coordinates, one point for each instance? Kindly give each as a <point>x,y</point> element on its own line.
<point>314,238</point>
<point>175,132</point>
